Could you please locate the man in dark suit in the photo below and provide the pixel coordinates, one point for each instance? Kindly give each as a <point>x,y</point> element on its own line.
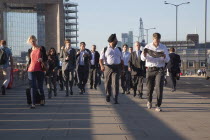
<point>93,78</point>
<point>138,71</point>
<point>68,59</point>
<point>173,67</point>
<point>82,66</point>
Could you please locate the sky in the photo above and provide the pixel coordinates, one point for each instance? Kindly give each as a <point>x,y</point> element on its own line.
<point>98,19</point>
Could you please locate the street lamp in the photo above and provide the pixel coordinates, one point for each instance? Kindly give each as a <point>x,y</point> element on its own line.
<point>176,5</point>
<point>206,33</point>
<point>147,30</point>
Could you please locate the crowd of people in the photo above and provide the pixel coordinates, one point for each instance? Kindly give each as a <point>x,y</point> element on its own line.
<point>73,67</point>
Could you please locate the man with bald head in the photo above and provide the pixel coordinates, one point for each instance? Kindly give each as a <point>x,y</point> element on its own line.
<point>93,78</point>
<point>137,68</point>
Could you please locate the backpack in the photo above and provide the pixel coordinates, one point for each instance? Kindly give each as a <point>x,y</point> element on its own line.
<point>106,49</point>
<point>3,57</point>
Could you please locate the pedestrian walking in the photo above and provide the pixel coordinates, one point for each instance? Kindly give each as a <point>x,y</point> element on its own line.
<point>138,71</point>
<point>111,63</point>
<point>125,75</point>
<point>156,55</point>
<point>83,57</point>
<point>68,59</point>
<point>36,67</point>
<point>51,73</point>
<point>6,64</point>
<point>173,67</point>
<point>130,50</point>
<point>94,68</point>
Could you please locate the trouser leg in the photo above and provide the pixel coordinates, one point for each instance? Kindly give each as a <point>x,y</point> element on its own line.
<point>66,80</point>
<point>40,76</point>
<point>128,78</point>
<point>173,80</point>
<point>115,82</point>
<point>150,75</point>
<point>108,80</point>
<point>91,76</point>
<point>159,83</point>
<point>140,84</point>
<point>71,79</point>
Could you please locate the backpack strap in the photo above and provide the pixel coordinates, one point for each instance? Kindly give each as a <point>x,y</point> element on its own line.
<point>105,50</point>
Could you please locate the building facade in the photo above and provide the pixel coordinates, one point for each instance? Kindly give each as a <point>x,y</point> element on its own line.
<point>127,38</point>
<point>192,53</point>
<point>48,20</point>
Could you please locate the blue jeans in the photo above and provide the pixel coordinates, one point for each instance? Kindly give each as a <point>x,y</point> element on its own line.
<point>36,81</point>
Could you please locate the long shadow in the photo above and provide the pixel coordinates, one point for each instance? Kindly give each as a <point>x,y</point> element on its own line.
<point>195,86</point>
<point>61,118</point>
<point>140,122</point>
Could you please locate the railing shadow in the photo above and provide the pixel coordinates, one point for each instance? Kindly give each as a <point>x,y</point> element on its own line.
<point>61,118</point>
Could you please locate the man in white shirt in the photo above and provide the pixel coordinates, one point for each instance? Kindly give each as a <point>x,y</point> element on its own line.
<point>111,63</point>
<point>155,70</point>
<point>125,76</point>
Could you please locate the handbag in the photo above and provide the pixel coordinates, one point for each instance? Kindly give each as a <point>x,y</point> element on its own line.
<point>44,66</point>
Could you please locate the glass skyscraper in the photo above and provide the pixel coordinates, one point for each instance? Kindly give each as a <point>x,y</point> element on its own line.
<point>19,26</point>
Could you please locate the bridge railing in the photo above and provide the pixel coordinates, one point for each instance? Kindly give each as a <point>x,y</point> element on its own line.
<point>20,76</point>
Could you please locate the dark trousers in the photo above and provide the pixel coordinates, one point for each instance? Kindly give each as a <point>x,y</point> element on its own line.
<point>68,76</point>
<point>125,79</point>
<point>82,74</point>
<point>93,78</point>
<point>36,81</point>
<point>155,78</point>
<point>173,79</point>
<point>60,78</point>
<point>138,83</point>
<point>51,82</point>
<point>112,76</point>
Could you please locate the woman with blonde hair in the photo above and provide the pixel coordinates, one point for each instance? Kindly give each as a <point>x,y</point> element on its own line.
<point>37,57</point>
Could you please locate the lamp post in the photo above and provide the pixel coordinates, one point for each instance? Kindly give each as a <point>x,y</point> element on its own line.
<point>206,65</point>
<point>147,30</point>
<point>176,5</point>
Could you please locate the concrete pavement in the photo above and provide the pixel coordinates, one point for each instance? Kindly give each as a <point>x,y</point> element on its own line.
<point>85,117</point>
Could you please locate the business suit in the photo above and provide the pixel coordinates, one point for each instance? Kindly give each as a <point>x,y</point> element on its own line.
<point>93,78</point>
<point>68,67</point>
<point>82,68</point>
<point>138,72</point>
<point>173,67</point>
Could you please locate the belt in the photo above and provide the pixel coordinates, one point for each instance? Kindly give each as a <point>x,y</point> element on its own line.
<point>155,68</point>
<point>113,65</point>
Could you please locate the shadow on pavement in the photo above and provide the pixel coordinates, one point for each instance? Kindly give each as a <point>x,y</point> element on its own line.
<point>140,122</point>
<point>62,118</point>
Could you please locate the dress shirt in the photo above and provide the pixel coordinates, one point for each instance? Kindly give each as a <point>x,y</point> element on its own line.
<point>81,61</point>
<point>138,53</point>
<point>93,58</point>
<point>111,56</point>
<point>126,57</point>
<point>156,62</point>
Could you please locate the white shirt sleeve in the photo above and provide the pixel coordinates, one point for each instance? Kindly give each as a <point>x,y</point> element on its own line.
<point>102,55</point>
<point>167,59</point>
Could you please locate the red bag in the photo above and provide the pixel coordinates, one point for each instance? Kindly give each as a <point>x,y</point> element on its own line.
<point>11,80</point>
